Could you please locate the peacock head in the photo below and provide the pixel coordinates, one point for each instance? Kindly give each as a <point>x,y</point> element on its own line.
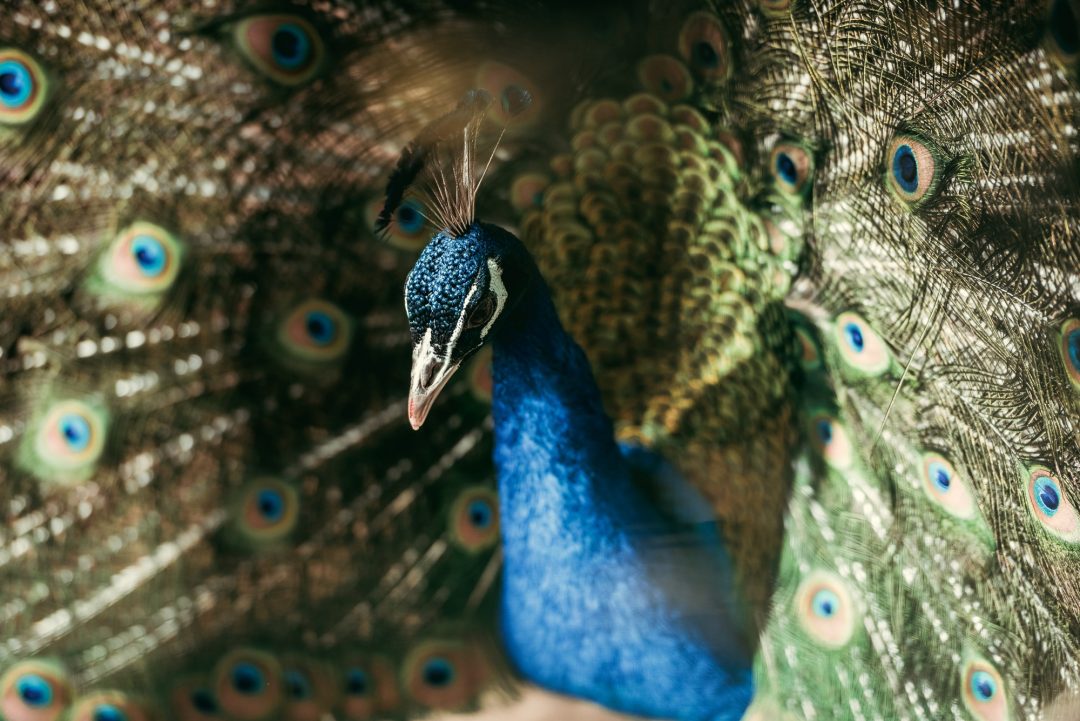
<point>456,295</point>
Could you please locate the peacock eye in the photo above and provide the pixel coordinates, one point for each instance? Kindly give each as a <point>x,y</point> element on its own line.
<point>860,346</point>
<point>369,687</point>
<point>315,330</point>
<point>192,700</point>
<point>409,229</point>
<point>481,313</point>
<point>831,439</point>
<point>824,608</point>
<point>792,167</point>
<point>248,684</point>
<point>704,45</point>
<point>665,77</point>
<point>1070,349</point>
<point>984,691</point>
<point>34,691</point>
<point>945,488</point>
<point>912,169</point>
<point>269,510</point>
<point>474,519</point>
<point>24,87</point>
<point>108,706</point>
<point>527,191</point>
<point>1050,505</point>
<point>443,675</point>
<point>143,260</point>
<point>287,49</point>
<point>297,685</point>
<point>517,98</point>
<point>67,441</point>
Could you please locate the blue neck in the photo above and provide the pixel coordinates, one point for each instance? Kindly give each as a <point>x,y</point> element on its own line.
<point>588,558</point>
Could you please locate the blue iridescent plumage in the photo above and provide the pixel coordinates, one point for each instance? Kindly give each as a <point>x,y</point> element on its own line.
<point>606,596</point>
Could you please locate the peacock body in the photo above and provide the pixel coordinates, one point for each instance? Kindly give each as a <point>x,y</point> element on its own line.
<point>819,255</point>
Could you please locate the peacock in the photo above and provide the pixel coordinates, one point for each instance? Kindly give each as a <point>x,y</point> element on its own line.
<point>819,256</point>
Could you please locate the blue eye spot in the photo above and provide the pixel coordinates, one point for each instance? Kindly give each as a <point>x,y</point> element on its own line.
<point>271,504</point>
<point>76,431</point>
<point>940,475</point>
<point>247,679</point>
<point>320,327</point>
<point>409,218</point>
<point>150,255</point>
<point>356,682</point>
<point>16,83</point>
<point>826,603</point>
<point>983,686</point>
<point>824,431</point>
<point>108,712</point>
<point>291,46</point>
<point>297,685</point>
<point>34,690</point>
<point>905,169</point>
<point>438,672</point>
<point>480,513</point>
<point>1047,495</point>
<point>786,168</point>
<point>1074,349</point>
<point>854,337</point>
<point>204,701</point>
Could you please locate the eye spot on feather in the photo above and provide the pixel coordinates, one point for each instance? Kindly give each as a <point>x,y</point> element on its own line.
<point>143,261</point>
<point>66,441</point>
<point>269,510</point>
<point>444,675</point>
<point>315,331</point>
<point>703,44</point>
<point>1070,350</point>
<point>984,691</point>
<point>309,689</point>
<point>248,685</point>
<point>108,706</point>
<point>369,688</point>
<point>912,169</point>
<point>792,167</point>
<point>191,699</point>
<point>518,101</point>
<point>34,691</point>
<point>474,519</point>
<point>24,87</point>
<point>1050,506</point>
<point>831,439</point>
<point>286,49</point>
<point>409,229</point>
<point>665,77</point>
<point>527,191</point>
<point>945,488</point>
<point>860,347</point>
<point>824,609</point>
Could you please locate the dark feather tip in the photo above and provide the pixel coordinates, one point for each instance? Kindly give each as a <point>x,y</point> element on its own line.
<point>516,100</point>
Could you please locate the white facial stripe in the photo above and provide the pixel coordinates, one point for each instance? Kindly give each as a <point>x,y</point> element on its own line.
<point>407,292</point>
<point>459,327</point>
<point>499,289</point>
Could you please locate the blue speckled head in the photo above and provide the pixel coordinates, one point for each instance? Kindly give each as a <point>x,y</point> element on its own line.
<point>455,296</point>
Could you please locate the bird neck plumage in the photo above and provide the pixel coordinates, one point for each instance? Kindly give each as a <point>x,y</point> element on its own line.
<point>547,408</point>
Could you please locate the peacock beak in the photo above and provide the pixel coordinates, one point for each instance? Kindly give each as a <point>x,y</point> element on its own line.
<point>430,374</point>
